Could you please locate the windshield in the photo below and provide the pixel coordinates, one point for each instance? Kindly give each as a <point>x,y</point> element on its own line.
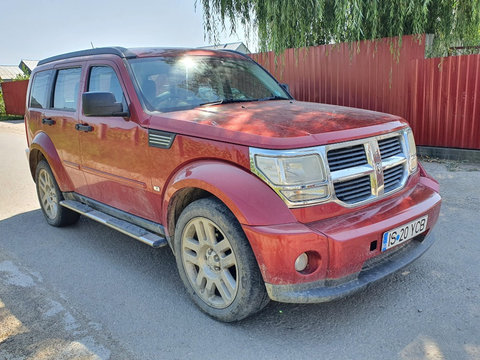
<point>178,83</point>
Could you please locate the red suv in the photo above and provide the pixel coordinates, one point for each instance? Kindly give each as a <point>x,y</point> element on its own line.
<point>259,196</point>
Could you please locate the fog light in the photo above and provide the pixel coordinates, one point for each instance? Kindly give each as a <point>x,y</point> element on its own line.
<point>301,262</point>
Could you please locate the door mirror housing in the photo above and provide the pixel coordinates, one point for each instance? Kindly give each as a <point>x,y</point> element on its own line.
<point>98,103</point>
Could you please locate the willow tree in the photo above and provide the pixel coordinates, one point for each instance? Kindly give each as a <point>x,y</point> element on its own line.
<point>282,24</point>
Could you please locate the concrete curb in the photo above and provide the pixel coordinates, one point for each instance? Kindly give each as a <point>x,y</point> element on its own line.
<point>465,155</point>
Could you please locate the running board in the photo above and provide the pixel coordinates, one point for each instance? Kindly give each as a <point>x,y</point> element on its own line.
<point>123,226</point>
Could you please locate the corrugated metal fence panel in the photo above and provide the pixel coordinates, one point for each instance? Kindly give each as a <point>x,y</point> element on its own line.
<point>14,96</point>
<point>361,74</point>
<point>448,107</point>
<point>439,97</point>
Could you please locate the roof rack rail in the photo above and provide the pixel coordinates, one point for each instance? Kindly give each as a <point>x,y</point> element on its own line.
<point>235,52</point>
<point>119,51</point>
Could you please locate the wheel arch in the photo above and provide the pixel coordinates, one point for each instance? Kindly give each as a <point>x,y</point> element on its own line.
<point>42,148</point>
<point>35,156</point>
<point>250,200</point>
<point>178,202</point>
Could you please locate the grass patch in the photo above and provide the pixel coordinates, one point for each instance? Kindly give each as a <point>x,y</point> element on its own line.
<point>4,117</point>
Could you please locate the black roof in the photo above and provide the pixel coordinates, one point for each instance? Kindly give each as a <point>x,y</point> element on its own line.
<point>119,51</point>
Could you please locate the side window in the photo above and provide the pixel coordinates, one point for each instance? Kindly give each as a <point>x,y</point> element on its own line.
<point>104,78</point>
<point>39,92</point>
<point>66,89</point>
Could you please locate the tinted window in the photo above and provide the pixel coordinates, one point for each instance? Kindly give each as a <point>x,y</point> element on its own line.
<point>104,78</point>
<point>66,89</point>
<point>40,86</point>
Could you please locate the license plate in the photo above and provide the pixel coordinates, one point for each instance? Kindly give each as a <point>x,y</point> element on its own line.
<point>403,233</point>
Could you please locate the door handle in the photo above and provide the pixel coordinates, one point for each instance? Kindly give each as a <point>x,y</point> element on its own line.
<point>49,122</point>
<point>83,127</point>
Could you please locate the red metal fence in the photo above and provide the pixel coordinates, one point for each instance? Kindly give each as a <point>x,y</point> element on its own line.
<point>440,97</point>
<point>446,109</point>
<point>14,95</point>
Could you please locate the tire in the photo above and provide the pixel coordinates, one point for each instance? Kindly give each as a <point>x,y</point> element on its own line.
<point>49,196</point>
<point>216,262</point>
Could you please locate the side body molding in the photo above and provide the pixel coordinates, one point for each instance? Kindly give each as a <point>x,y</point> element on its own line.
<point>44,144</point>
<point>251,200</point>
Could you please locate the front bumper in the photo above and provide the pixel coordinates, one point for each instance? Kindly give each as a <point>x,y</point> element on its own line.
<point>347,247</point>
<point>326,290</point>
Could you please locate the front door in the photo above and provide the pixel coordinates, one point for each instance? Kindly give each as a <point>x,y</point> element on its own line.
<point>114,149</point>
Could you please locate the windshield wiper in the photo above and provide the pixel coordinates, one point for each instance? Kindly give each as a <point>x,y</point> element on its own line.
<point>276,97</point>
<point>225,101</point>
<point>229,101</point>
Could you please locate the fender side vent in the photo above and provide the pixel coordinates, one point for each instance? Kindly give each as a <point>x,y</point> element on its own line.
<point>160,139</point>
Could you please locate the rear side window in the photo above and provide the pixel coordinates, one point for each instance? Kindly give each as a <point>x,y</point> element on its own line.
<point>67,86</point>
<point>40,89</point>
<point>104,78</point>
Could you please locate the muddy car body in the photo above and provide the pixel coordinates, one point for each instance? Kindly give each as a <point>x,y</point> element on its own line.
<point>258,195</point>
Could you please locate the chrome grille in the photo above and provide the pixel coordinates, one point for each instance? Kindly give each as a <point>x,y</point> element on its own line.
<point>343,158</point>
<point>390,147</point>
<point>363,170</point>
<point>354,190</point>
<point>393,177</point>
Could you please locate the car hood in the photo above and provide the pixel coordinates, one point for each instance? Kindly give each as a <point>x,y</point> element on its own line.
<point>277,124</point>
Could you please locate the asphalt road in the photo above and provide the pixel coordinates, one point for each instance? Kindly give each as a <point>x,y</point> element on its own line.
<point>87,291</point>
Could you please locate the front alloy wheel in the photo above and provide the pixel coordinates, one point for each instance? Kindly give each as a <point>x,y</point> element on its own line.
<point>216,262</point>
<point>209,262</point>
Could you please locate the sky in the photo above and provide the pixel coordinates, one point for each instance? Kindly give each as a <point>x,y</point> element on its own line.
<point>36,29</point>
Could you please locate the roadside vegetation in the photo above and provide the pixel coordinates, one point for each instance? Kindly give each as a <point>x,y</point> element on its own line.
<point>4,117</point>
<point>2,104</point>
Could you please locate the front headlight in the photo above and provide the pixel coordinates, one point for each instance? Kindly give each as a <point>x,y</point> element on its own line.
<point>298,170</point>
<point>299,179</point>
<point>412,152</point>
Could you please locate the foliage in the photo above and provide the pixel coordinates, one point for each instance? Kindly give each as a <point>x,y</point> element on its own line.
<point>24,76</point>
<point>282,24</point>
<point>2,104</point>
<point>4,117</point>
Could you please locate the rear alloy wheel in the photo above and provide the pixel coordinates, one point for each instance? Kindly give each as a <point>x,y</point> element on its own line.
<point>49,196</point>
<point>216,263</point>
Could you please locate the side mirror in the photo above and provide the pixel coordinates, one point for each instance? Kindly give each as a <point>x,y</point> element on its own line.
<point>286,88</point>
<point>97,103</point>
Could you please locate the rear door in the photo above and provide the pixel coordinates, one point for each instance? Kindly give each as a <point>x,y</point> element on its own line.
<point>114,149</point>
<point>59,119</point>
<point>38,101</point>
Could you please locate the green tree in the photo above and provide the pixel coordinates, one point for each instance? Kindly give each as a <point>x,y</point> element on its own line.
<point>2,104</point>
<point>282,24</point>
<point>25,75</point>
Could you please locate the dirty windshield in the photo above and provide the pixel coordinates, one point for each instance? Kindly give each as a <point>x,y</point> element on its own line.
<point>178,83</point>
